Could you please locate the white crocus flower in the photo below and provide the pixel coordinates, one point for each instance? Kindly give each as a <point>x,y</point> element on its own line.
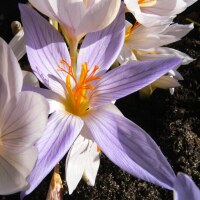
<point>156,12</point>
<point>145,43</point>
<point>21,125</point>
<point>78,17</point>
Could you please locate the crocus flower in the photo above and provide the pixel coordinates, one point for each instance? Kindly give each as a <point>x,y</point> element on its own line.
<point>79,17</point>
<point>81,100</point>
<point>156,12</point>
<point>145,43</point>
<point>22,123</point>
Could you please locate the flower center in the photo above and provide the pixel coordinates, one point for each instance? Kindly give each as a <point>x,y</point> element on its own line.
<point>147,3</point>
<point>78,88</point>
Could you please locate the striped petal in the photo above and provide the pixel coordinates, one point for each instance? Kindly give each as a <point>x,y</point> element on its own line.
<point>45,47</point>
<point>62,129</point>
<point>129,78</point>
<point>129,147</point>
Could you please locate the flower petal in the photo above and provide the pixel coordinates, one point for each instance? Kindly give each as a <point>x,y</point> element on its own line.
<point>75,163</point>
<point>18,45</point>
<point>166,82</point>
<point>92,163</point>
<point>45,47</point>
<point>23,121</point>
<point>149,20</point>
<point>82,161</point>
<point>126,55</point>
<point>98,16</point>
<point>169,8</point>
<point>10,69</point>
<point>56,102</point>
<point>129,78</point>
<point>68,13</point>
<point>23,162</point>
<point>165,51</point>
<point>103,47</point>
<point>44,7</point>
<point>185,188</point>
<point>3,93</point>
<point>129,147</point>
<point>62,129</point>
<point>10,184</point>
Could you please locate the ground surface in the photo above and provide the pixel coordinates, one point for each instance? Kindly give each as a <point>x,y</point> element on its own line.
<point>172,121</point>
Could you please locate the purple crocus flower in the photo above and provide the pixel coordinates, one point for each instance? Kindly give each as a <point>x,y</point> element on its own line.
<point>80,100</point>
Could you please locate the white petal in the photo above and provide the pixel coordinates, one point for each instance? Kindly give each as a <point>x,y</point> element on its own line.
<point>18,45</point>
<point>23,162</point>
<point>3,93</point>
<point>11,180</point>
<point>166,82</point>
<point>56,102</point>
<point>100,15</point>
<point>75,163</point>
<point>126,55</point>
<point>178,30</point>
<point>92,163</point>
<point>10,69</point>
<point>169,51</point>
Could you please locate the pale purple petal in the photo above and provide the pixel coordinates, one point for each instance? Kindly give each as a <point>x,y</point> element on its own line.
<point>185,188</point>
<point>45,46</point>
<point>129,78</point>
<point>62,129</point>
<point>129,147</point>
<point>103,47</point>
<point>10,69</point>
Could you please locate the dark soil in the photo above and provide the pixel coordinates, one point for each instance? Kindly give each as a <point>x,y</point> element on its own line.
<point>173,121</point>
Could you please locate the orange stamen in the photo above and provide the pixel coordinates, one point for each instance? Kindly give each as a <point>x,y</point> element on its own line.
<point>78,94</point>
<point>131,28</point>
<point>98,149</point>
